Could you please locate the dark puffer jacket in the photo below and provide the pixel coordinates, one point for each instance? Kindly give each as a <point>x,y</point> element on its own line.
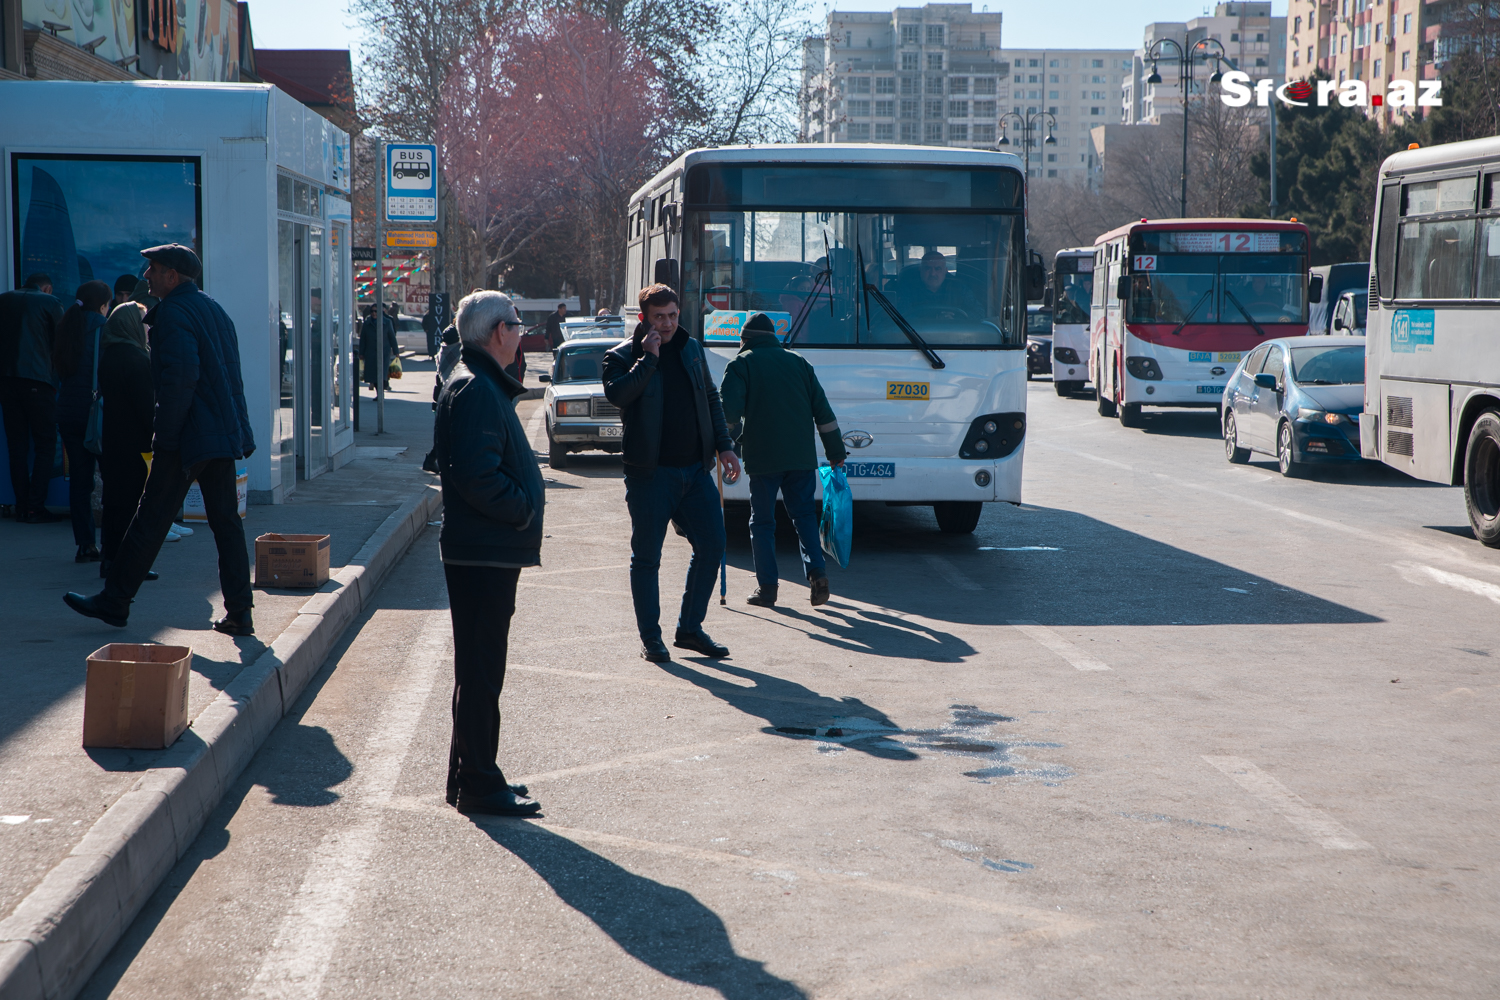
<point>492,486</point>
<point>632,383</point>
<point>195,367</point>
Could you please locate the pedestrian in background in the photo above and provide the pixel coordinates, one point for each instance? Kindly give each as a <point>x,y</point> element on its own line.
<point>129,403</point>
<point>74,354</point>
<point>554,326</point>
<point>124,289</point>
<point>431,329</point>
<point>492,527</point>
<point>28,393</point>
<point>377,340</point>
<point>447,360</point>
<point>674,429</point>
<point>776,394</point>
<point>201,428</point>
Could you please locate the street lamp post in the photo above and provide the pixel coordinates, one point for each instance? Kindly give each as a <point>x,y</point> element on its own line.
<point>1200,52</point>
<point>1028,122</point>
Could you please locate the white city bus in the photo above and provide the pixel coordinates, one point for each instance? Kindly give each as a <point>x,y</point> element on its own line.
<point>1432,376</point>
<point>1072,294</point>
<point>899,272</point>
<point>1178,302</point>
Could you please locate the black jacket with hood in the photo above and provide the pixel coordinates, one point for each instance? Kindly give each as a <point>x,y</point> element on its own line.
<point>632,382</point>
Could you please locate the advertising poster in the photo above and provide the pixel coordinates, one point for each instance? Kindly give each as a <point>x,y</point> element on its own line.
<point>109,23</point>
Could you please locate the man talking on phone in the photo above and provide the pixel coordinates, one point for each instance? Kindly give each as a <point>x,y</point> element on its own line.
<point>674,430</point>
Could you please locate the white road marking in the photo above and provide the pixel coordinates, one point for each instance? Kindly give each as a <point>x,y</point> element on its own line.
<point>294,967</point>
<point>951,573</point>
<point>534,426</point>
<point>1019,548</point>
<point>1062,647</point>
<point>1289,804</point>
<point>14,820</point>
<point>1415,572</point>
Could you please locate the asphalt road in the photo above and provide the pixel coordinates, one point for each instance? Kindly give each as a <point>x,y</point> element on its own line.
<point>1170,729</point>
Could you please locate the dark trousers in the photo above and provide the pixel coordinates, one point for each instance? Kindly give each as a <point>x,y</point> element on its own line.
<point>481,600</point>
<point>124,476</point>
<point>80,483</point>
<point>688,496</point>
<point>30,410</point>
<point>166,488</point>
<point>797,493</point>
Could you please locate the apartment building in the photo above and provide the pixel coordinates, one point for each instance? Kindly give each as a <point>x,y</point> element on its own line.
<point>1377,42</point>
<point>1079,88</point>
<point>930,75</point>
<point>1253,41</point>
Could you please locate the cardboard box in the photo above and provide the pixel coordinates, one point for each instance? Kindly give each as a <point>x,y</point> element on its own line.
<point>291,560</point>
<point>136,695</point>
<point>192,506</point>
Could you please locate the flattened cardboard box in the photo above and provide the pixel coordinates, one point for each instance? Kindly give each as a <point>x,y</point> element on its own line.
<point>136,695</point>
<point>291,560</point>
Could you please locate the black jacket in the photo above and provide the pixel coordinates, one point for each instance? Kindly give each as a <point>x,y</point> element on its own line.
<point>195,368</point>
<point>492,486</point>
<point>28,323</point>
<point>125,387</point>
<point>632,383</point>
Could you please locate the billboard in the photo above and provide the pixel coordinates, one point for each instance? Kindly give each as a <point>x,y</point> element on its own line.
<point>109,23</point>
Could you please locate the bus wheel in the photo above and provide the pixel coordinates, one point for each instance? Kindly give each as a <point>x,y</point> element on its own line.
<point>1130,415</point>
<point>1286,452</point>
<point>957,517</point>
<point>1482,478</point>
<point>1106,402</point>
<point>1232,449</point>
<point>557,454</point>
<point>1067,388</point>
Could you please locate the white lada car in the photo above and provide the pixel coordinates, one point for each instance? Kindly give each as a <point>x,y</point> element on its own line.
<point>579,418</point>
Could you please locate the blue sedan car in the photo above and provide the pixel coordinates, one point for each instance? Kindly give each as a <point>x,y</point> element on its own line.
<point>1298,399</point>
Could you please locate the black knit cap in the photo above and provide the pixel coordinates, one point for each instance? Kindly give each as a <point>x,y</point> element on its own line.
<point>759,323</point>
<point>178,257</point>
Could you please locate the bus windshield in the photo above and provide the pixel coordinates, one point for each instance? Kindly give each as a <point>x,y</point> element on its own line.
<point>1072,289</point>
<point>1185,277</point>
<point>951,276</point>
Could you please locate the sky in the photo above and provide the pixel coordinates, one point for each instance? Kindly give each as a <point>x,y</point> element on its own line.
<point>1028,24</point>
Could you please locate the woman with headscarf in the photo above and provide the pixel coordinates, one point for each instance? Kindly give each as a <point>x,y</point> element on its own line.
<point>73,354</point>
<point>129,405</point>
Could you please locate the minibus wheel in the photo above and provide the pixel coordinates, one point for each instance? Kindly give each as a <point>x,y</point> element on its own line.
<point>1482,478</point>
<point>958,517</point>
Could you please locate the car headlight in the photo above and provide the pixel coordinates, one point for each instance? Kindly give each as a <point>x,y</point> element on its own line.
<point>1315,414</point>
<point>573,408</point>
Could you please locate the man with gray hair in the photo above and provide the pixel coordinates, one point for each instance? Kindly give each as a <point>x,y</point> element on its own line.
<point>492,527</point>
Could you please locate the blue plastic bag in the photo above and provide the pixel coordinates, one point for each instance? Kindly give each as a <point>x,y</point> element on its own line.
<point>836,530</point>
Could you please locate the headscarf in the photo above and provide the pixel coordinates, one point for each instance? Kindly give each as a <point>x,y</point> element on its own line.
<point>124,326</point>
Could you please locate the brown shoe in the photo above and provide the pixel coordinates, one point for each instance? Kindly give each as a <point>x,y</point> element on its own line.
<point>819,591</point>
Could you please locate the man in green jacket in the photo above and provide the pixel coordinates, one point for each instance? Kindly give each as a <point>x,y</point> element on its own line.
<point>775,392</point>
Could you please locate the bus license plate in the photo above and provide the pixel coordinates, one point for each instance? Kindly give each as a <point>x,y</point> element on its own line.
<point>1211,390</point>
<point>870,470</point>
<point>610,431</point>
<point>907,390</point>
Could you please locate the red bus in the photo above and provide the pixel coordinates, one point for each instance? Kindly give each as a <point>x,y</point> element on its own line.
<point>1177,303</point>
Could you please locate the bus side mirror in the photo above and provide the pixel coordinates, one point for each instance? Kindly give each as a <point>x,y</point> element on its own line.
<point>666,272</point>
<point>1315,288</point>
<point>1122,287</point>
<point>1036,282</point>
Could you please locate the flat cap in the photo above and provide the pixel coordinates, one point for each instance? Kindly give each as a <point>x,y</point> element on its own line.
<point>178,257</point>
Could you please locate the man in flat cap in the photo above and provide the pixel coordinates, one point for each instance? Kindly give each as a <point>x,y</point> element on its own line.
<point>201,427</point>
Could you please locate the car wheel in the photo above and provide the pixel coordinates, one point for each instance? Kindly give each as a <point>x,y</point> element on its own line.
<point>1286,452</point>
<point>1482,478</point>
<point>957,517</point>
<point>557,454</point>
<point>1130,415</point>
<point>1232,449</point>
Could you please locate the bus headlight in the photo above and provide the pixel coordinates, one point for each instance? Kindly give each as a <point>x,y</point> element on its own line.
<point>1066,355</point>
<point>994,435</point>
<point>1144,368</point>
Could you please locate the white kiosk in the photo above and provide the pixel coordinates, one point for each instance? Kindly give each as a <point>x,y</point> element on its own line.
<point>255,181</point>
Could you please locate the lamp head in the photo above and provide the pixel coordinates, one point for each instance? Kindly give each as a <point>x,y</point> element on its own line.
<point>1004,140</point>
<point>1155,77</point>
<point>1051,140</point>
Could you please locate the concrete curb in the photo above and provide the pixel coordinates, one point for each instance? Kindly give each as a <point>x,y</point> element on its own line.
<point>60,933</point>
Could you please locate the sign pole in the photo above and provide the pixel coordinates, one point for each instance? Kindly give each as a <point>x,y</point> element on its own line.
<point>380,300</point>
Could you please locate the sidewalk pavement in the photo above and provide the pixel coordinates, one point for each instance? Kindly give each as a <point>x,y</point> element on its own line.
<point>86,835</point>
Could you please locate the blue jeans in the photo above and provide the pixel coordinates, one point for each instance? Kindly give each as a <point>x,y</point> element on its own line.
<point>688,496</point>
<point>797,493</point>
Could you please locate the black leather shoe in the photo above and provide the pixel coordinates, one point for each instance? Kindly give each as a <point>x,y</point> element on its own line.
<point>819,590</point>
<point>699,642</point>
<point>763,597</point>
<point>96,607</point>
<point>451,795</point>
<point>87,553</point>
<point>236,623</point>
<point>655,650</point>
<point>501,803</point>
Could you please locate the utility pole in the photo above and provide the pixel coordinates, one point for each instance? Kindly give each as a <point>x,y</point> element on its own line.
<point>380,373</point>
<point>1272,111</point>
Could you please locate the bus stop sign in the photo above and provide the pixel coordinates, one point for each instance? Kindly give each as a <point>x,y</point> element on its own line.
<point>410,182</point>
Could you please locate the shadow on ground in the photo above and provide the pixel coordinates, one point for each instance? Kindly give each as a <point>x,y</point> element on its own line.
<point>660,925</point>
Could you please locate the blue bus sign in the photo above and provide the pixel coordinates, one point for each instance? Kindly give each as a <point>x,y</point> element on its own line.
<point>410,182</point>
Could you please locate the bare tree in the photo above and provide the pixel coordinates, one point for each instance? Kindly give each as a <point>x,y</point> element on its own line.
<point>1143,169</point>
<point>1221,143</point>
<point>1066,214</point>
<point>751,73</point>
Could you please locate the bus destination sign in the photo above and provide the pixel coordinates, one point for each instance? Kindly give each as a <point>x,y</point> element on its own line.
<point>1207,242</point>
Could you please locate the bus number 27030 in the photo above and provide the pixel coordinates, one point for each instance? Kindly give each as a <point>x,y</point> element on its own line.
<point>907,390</point>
